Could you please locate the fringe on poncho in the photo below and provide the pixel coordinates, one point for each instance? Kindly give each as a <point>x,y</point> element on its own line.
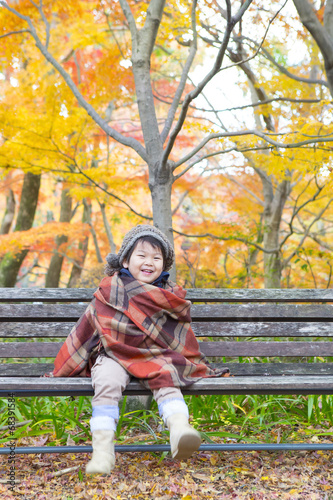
<point>144,328</point>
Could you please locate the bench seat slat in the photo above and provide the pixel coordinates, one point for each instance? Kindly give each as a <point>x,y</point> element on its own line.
<point>230,385</point>
<point>201,329</point>
<point>194,294</point>
<point>199,312</point>
<point>212,349</point>
<point>236,369</point>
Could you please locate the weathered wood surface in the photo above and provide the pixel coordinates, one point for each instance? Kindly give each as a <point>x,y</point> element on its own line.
<point>229,385</point>
<point>261,329</point>
<point>201,329</point>
<point>194,294</point>
<point>236,369</point>
<point>211,349</point>
<point>35,330</point>
<point>25,369</point>
<point>199,312</point>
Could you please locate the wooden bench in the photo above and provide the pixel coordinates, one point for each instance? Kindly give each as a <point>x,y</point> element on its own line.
<point>239,323</point>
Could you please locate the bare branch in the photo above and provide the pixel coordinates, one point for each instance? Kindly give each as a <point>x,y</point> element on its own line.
<point>257,133</point>
<point>130,19</point>
<point>73,164</point>
<point>92,230</point>
<point>330,275</point>
<point>187,192</point>
<point>246,189</point>
<point>183,79</point>
<point>107,227</point>
<point>152,23</point>
<point>126,141</point>
<point>297,209</point>
<point>320,34</point>
<point>252,105</point>
<point>231,21</point>
<point>283,70</point>
<point>286,261</point>
<point>226,238</point>
<point>114,36</point>
<point>14,32</point>
<point>259,46</point>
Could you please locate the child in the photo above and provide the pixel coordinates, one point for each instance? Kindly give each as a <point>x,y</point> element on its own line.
<point>138,324</point>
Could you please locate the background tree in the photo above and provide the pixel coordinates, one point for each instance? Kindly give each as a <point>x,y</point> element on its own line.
<point>108,175</point>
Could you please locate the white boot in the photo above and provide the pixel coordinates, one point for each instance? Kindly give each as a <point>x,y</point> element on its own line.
<point>184,440</point>
<point>103,457</point>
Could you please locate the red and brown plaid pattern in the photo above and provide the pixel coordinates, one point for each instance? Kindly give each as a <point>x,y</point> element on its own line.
<point>146,329</point>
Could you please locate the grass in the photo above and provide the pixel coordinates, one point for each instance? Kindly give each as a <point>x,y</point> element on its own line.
<point>238,417</point>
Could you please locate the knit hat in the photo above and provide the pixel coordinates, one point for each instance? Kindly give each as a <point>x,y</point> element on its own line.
<point>115,261</point>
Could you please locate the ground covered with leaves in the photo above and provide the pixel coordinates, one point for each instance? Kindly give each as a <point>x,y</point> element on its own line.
<point>231,475</point>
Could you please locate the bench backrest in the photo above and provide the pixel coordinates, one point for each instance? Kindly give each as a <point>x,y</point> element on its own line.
<point>256,324</point>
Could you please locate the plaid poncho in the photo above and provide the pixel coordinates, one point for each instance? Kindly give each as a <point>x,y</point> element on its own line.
<point>144,328</point>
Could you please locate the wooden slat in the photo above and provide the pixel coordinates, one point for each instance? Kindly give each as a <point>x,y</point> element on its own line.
<point>211,349</point>
<point>194,294</point>
<point>46,294</point>
<point>277,369</point>
<point>25,369</point>
<point>258,295</point>
<point>201,329</point>
<point>260,312</point>
<point>236,369</point>
<point>29,349</point>
<point>225,385</point>
<point>199,312</point>
<point>261,329</point>
<point>41,312</point>
<point>276,349</point>
<point>35,330</point>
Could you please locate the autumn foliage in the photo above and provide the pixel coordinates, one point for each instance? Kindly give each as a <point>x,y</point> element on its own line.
<point>251,164</point>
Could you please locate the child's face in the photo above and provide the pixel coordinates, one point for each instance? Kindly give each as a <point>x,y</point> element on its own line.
<point>146,262</point>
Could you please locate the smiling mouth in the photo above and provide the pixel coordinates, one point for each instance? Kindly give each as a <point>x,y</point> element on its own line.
<point>146,271</point>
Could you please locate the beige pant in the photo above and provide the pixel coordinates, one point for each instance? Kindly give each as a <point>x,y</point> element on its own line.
<point>109,379</point>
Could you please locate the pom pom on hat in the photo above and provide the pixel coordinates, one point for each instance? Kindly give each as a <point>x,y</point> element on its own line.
<point>115,261</point>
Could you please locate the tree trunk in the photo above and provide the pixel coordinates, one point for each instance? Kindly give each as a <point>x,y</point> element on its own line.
<point>53,274</point>
<point>9,214</point>
<point>10,264</point>
<point>162,213</point>
<point>272,222</point>
<point>83,247</point>
<point>274,202</point>
<point>323,35</point>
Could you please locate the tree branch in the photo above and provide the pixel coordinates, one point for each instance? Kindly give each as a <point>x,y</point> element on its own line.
<point>246,189</point>
<point>283,70</point>
<point>152,23</point>
<point>257,133</point>
<point>320,35</point>
<point>15,33</point>
<point>194,93</point>
<point>126,141</point>
<point>130,19</point>
<point>183,79</point>
<point>286,261</point>
<point>226,238</point>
